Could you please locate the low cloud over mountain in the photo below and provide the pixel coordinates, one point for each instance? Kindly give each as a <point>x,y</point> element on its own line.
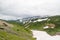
<point>23,8</point>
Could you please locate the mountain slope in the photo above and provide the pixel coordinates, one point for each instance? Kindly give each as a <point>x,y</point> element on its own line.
<point>51,21</point>
<point>17,32</point>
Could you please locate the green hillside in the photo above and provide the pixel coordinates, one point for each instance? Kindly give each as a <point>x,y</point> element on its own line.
<point>53,20</point>
<point>17,32</point>
<point>12,30</point>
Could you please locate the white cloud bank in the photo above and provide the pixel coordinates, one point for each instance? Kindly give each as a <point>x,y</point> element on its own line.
<point>7,17</point>
<point>21,8</point>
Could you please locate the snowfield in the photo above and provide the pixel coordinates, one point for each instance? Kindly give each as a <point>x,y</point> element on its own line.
<point>42,35</point>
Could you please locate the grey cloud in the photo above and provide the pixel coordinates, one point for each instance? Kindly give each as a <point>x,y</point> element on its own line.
<point>23,8</point>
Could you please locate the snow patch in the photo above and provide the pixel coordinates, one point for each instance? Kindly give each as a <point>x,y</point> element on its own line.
<point>42,35</point>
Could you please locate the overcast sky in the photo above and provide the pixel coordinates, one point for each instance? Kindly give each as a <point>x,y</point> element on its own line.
<point>22,8</point>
